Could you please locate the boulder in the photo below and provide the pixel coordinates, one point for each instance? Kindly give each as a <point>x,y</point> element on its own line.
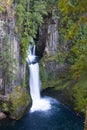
<point>2,115</point>
<point>16,104</point>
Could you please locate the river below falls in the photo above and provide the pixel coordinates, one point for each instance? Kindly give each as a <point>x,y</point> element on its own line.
<point>59,117</point>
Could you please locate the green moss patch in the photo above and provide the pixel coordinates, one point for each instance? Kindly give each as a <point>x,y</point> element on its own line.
<point>80,93</point>
<point>20,100</point>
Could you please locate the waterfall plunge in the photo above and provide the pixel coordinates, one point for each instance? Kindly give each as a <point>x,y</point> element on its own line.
<point>38,103</point>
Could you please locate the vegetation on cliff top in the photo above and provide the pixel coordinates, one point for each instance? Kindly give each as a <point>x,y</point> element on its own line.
<point>29,16</point>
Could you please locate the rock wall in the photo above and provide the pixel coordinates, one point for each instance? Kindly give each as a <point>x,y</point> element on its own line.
<point>52,39</point>
<point>7,29</point>
<point>48,36</point>
<point>14,97</point>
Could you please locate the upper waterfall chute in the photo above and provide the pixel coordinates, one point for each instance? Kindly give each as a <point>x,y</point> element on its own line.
<point>32,58</point>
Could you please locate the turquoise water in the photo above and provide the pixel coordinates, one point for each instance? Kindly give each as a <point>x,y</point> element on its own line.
<point>58,118</point>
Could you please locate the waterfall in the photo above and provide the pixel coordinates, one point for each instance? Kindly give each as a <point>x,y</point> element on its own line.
<point>38,103</point>
<point>34,82</point>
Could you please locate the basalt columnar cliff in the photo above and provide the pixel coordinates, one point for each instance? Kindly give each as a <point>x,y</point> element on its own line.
<point>60,40</point>
<point>13,95</point>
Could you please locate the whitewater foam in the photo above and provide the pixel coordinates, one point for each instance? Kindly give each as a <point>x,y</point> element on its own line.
<point>41,105</point>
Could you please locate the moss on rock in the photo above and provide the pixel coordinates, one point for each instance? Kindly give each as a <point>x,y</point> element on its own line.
<point>80,93</point>
<point>54,75</point>
<point>17,104</point>
<point>19,99</point>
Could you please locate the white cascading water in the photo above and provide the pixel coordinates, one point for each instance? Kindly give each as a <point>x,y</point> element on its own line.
<point>38,103</point>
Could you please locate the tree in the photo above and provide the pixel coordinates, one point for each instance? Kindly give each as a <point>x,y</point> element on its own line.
<point>73,22</point>
<point>29,15</point>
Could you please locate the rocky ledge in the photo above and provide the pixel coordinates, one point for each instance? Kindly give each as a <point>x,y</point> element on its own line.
<point>16,104</point>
